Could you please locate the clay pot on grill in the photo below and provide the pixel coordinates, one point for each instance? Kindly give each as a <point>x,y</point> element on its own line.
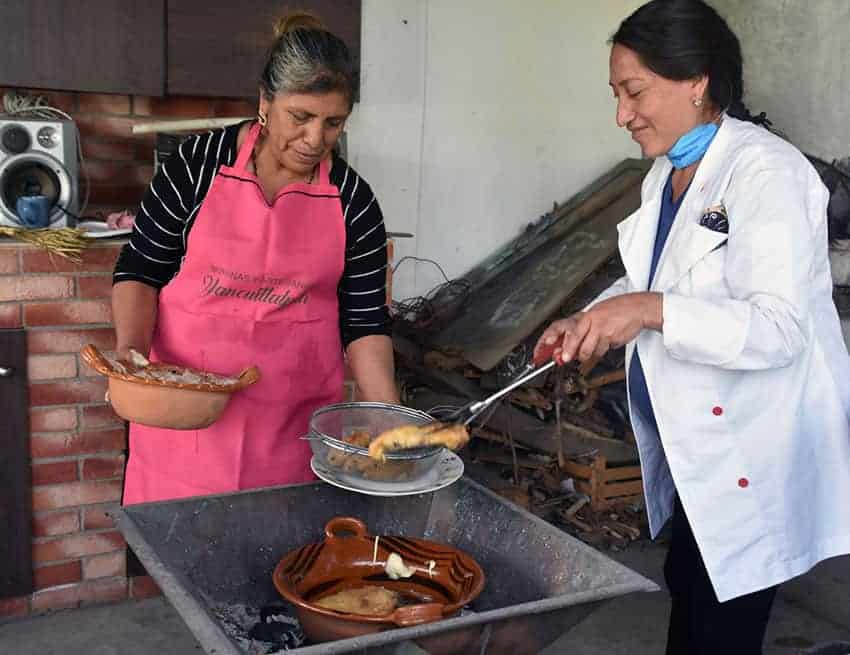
<point>161,404</point>
<point>342,562</point>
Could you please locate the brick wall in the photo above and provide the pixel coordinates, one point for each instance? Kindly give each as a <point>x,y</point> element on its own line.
<point>119,163</point>
<point>77,443</point>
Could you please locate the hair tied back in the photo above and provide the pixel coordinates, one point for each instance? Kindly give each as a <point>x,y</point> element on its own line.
<point>297,20</point>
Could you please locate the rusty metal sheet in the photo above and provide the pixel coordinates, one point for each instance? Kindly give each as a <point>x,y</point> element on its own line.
<point>513,295</point>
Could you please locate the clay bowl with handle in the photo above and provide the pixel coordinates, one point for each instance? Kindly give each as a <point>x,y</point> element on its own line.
<point>166,404</point>
<point>346,559</point>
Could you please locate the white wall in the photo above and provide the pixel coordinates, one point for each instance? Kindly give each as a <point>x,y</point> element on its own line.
<point>475,116</point>
<point>797,68</point>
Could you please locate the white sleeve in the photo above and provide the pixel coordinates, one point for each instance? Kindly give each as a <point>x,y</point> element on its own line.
<point>770,257</point>
<point>618,288</point>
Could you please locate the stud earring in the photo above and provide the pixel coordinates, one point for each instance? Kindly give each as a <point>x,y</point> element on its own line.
<point>697,102</point>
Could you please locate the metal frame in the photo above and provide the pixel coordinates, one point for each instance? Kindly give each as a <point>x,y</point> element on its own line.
<point>140,523</point>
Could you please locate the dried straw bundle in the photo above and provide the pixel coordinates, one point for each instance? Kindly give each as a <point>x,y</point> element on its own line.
<point>66,242</point>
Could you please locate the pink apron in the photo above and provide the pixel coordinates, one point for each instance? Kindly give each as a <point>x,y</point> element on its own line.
<point>258,285</point>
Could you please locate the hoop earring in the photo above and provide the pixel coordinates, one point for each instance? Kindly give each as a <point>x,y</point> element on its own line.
<point>261,119</point>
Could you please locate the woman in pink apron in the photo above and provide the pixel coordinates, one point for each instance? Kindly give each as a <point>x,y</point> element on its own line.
<point>257,246</point>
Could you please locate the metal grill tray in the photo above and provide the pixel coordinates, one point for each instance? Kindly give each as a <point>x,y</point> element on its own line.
<point>219,551</point>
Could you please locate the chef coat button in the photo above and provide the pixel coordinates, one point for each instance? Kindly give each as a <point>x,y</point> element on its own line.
<point>717,411</point>
<point>743,483</point>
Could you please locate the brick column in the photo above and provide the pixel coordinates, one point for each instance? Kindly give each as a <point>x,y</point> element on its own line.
<point>76,441</point>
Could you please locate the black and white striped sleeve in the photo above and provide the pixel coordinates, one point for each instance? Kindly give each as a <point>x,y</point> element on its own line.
<point>158,241</point>
<point>363,307</point>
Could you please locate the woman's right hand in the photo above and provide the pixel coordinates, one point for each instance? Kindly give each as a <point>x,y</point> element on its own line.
<point>587,336</point>
<point>123,353</point>
<point>134,307</point>
<point>550,344</point>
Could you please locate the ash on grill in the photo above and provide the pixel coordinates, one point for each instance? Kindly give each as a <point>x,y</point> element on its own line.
<point>268,629</point>
<point>260,631</point>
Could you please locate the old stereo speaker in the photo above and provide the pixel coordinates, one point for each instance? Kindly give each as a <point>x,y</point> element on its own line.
<point>39,158</point>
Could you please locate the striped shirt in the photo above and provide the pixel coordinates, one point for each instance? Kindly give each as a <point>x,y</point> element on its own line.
<point>169,208</point>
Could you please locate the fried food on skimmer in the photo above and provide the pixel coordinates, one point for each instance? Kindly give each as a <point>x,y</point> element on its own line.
<point>450,435</point>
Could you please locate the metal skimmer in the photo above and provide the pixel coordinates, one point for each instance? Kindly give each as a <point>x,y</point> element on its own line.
<point>470,411</point>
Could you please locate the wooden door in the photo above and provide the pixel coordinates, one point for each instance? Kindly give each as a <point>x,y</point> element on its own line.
<point>15,486</point>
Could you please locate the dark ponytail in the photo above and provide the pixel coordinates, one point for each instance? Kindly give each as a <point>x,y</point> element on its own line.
<point>684,39</point>
<point>739,110</point>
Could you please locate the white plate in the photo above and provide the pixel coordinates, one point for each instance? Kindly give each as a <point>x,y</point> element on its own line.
<point>447,471</point>
<point>98,230</point>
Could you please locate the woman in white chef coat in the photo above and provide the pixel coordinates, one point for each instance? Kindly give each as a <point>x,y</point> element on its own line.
<point>738,377</point>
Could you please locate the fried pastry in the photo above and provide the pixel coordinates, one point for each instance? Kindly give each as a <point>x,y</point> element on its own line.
<point>450,435</point>
<point>367,601</point>
<point>360,438</point>
<point>369,468</point>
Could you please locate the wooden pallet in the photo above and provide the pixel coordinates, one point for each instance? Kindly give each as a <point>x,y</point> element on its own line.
<point>606,485</point>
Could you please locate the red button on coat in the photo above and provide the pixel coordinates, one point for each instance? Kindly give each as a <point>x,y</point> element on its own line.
<point>743,483</point>
<point>717,411</point>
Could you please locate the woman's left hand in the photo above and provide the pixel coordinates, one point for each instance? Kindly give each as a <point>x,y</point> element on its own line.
<point>609,324</point>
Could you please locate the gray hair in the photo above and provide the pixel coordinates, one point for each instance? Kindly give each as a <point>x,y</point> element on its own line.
<point>306,58</point>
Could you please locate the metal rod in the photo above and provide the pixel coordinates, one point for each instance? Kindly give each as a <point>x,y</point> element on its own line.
<point>191,124</point>
<point>477,407</point>
<point>513,449</point>
<point>559,398</point>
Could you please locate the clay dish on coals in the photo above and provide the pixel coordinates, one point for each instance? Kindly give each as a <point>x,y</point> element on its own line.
<point>444,579</point>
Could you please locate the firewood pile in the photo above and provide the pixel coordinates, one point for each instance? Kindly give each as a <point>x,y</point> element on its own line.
<point>550,448</point>
<point>561,445</point>
<point>558,493</point>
